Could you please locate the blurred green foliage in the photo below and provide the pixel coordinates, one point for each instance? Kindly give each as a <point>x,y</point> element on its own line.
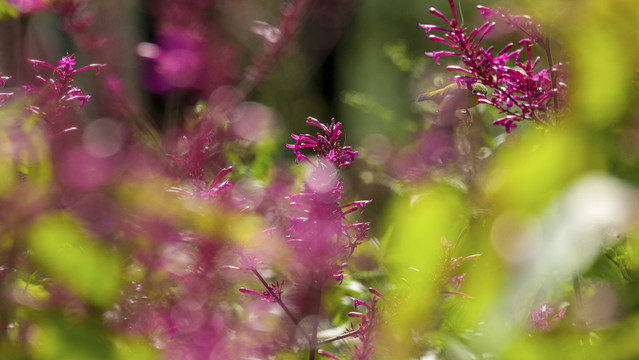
<point>7,11</point>
<point>62,249</point>
<point>532,173</point>
<point>522,191</point>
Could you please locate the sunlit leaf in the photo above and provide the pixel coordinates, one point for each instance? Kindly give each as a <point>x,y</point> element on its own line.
<point>414,257</point>
<point>56,338</point>
<point>7,11</point>
<point>7,167</point>
<point>68,254</point>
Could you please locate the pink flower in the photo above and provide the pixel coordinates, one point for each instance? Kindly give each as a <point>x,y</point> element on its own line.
<point>521,90</point>
<point>29,6</point>
<point>60,83</point>
<point>272,294</point>
<point>327,145</point>
<point>540,318</point>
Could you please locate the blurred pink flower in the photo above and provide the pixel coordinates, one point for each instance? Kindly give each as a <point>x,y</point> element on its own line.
<point>4,96</point>
<point>327,145</point>
<point>30,6</point>
<point>521,92</point>
<point>540,318</point>
<point>61,81</point>
<point>273,294</point>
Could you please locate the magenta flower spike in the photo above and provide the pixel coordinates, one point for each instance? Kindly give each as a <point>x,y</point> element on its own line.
<point>61,82</point>
<point>367,328</point>
<point>319,229</point>
<point>327,145</point>
<point>521,90</point>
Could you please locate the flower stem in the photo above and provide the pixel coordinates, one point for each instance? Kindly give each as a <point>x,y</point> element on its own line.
<point>279,301</point>
<point>264,62</point>
<point>576,285</point>
<point>317,297</point>
<point>546,45</point>
<point>338,337</point>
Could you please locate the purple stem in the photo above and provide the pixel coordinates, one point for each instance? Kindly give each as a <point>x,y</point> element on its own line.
<point>279,301</point>
<point>339,337</point>
<point>553,80</point>
<point>265,61</point>
<point>317,297</point>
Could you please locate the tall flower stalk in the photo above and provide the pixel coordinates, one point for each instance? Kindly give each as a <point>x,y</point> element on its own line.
<point>319,230</point>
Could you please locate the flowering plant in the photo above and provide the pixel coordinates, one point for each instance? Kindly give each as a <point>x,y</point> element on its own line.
<point>521,90</point>
<point>166,204</point>
<point>61,84</point>
<point>318,231</point>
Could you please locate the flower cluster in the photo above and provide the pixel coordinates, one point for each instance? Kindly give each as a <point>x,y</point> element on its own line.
<point>4,96</point>
<point>62,93</point>
<point>193,162</point>
<point>320,230</point>
<point>367,328</point>
<point>540,318</point>
<point>326,145</point>
<point>521,92</point>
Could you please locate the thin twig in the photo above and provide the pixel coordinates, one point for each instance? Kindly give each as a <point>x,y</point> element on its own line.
<point>317,297</point>
<point>577,289</point>
<point>338,337</point>
<point>279,302</point>
<point>553,79</point>
<point>264,62</point>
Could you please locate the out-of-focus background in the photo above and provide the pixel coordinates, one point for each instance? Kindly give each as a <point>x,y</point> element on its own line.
<point>553,210</point>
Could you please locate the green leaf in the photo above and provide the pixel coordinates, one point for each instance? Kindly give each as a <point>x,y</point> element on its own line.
<point>612,264</point>
<point>55,338</point>
<point>7,11</point>
<point>531,171</point>
<point>63,249</point>
<point>129,348</point>
<point>262,165</point>
<point>414,254</point>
